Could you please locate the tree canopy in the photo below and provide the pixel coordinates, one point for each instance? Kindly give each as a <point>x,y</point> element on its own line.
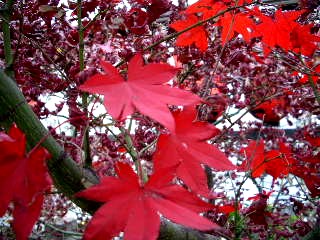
<point>156,116</point>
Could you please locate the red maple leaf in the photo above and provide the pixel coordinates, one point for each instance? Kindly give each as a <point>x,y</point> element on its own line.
<point>144,90</point>
<point>271,111</point>
<point>196,35</point>
<point>134,208</point>
<point>235,23</point>
<point>257,211</point>
<point>205,8</point>
<point>307,169</point>
<point>254,162</point>
<point>303,41</point>
<point>276,162</point>
<point>23,180</point>
<point>279,162</point>
<point>276,31</point>
<point>187,148</point>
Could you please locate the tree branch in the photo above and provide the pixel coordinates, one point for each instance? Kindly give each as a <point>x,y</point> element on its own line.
<point>84,97</point>
<point>7,38</point>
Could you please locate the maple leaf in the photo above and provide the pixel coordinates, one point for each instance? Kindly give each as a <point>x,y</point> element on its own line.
<point>270,111</point>
<point>254,162</point>
<point>235,23</point>
<point>196,35</point>
<point>279,162</point>
<point>187,148</point>
<point>144,90</point>
<point>276,31</point>
<point>307,168</point>
<point>303,41</point>
<point>23,180</point>
<point>257,211</point>
<point>134,208</point>
<point>206,8</point>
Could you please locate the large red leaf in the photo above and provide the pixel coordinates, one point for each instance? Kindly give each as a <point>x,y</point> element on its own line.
<point>230,23</point>
<point>135,210</point>
<point>144,90</point>
<point>307,168</point>
<point>282,30</point>
<point>23,180</point>
<point>187,148</point>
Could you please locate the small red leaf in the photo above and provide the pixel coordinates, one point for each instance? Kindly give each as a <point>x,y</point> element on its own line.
<point>196,35</point>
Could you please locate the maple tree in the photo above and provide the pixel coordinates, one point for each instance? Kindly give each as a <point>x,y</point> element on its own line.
<point>149,105</point>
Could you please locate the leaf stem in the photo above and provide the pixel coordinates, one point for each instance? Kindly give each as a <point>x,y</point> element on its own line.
<point>62,231</point>
<point>84,97</point>
<point>134,154</point>
<point>94,18</point>
<point>314,88</point>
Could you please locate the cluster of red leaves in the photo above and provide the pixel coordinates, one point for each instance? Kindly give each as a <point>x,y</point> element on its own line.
<point>280,30</point>
<point>308,169</point>
<point>257,211</point>
<point>23,180</point>
<point>280,162</point>
<point>187,147</point>
<point>276,163</point>
<point>180,153</point>
<point>314,76</point>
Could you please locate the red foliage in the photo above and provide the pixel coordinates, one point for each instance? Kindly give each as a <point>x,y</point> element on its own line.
<point>254,154</point>
<point>277,162</point>
<point>23,180</point>
<point>268,111</point>
<point>187,148</point>
<point>242,56</point>
<point>196,35</point>
<point>257,211</point>
<point>134,207</point>
<point>235,23</point>
<point>144,90</point>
